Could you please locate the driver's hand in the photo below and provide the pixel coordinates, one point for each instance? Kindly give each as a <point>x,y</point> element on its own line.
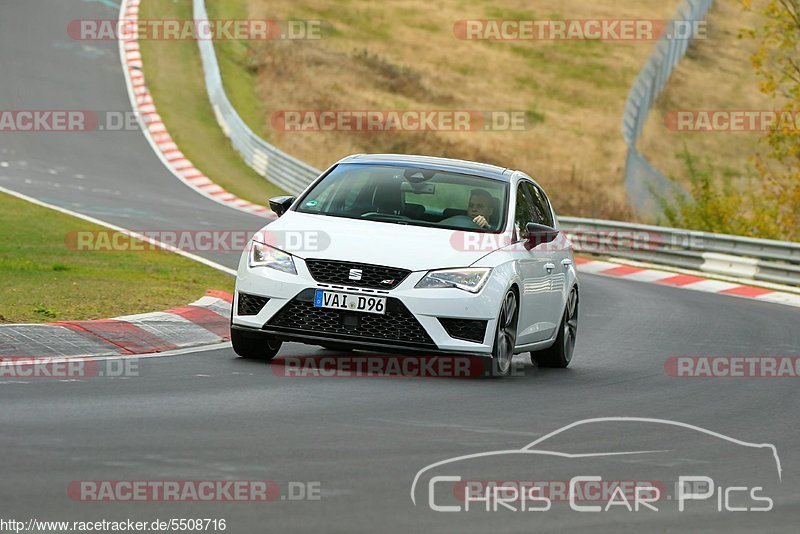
<point>481,221</point>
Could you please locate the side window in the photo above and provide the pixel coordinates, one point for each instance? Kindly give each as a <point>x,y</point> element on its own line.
<point>523,211</point>
<point>541,206</point>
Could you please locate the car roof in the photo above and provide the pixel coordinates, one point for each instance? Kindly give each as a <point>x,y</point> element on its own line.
<point>430,162</point>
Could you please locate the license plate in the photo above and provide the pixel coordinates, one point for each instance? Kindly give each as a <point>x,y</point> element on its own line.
<point>349,301</point>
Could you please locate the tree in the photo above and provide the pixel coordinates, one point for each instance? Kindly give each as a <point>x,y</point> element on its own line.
<point>720,202</point>
<point>777,63</point>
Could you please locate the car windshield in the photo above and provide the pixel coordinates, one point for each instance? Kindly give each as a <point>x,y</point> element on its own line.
<point>409,195</point>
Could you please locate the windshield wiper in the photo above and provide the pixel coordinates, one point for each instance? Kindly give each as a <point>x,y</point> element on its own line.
<point>389,220</point>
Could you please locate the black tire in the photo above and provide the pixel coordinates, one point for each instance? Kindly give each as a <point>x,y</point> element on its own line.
<point>253,346</point>
<point>560,354</point>
<point>505,338</point>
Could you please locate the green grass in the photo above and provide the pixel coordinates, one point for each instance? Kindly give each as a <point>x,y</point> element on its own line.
<point>174,75</point>
<point>42,279</point>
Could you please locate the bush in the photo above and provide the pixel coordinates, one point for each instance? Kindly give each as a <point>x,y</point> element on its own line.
<point>721,202</point>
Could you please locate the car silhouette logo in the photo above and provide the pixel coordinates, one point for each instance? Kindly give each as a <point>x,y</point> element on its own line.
<point>355,274</point>
<point>541,447</point>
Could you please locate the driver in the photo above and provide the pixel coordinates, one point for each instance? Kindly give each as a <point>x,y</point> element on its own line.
<point>481,207</point>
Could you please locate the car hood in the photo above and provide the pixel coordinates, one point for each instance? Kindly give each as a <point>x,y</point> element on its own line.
<point>409,247</point>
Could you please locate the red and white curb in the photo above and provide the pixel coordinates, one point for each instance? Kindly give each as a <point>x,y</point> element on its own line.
<point>156,132</point>
<point>203,322</point>
<point>685,281</point>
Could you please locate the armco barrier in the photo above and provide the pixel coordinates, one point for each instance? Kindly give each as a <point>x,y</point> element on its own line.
<point>288,173</point>
<point>292,175</point>
<point>642,180</point>
<point>741,257</point>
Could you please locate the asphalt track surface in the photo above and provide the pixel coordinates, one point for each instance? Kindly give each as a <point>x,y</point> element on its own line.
<point>209,415</point>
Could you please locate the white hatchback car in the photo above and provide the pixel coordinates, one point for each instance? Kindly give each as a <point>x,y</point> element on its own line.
<point>417,254</point>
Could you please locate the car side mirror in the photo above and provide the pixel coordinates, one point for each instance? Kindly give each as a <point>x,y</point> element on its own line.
<point>280,204</point>
<point>540,233</point>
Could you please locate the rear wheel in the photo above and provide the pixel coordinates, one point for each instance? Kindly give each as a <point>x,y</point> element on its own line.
<point>505,338</point>
<point>254,346</point>
<point>560,354</point>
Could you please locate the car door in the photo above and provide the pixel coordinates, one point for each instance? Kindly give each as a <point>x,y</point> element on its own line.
<point>559,255</point>
<point>535,319</point>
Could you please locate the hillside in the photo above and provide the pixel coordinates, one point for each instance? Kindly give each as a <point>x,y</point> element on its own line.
<point>572,92</point>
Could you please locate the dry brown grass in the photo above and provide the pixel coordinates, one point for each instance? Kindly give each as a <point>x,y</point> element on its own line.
<point>403,55</point>
<point>715,75</point>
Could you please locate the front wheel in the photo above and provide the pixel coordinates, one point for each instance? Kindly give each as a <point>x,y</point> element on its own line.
<point>505,338</point>
<point>255,346</point>
<point>560,354</point>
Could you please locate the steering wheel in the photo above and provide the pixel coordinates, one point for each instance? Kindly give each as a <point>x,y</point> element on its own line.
<point>460,220</point>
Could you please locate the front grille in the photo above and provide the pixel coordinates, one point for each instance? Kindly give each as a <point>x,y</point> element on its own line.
<point>396,326</point>
<point>466,329</point>
<point>342,273</point>
<point>250,304</point>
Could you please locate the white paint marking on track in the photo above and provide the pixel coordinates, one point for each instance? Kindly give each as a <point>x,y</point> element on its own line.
<point>124,231</point>
<point>157,135</point>
<point>165,354</point>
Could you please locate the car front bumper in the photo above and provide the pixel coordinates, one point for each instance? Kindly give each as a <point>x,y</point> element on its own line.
<point>411,323</point>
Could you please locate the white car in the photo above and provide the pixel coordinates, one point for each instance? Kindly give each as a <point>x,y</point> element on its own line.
<point>418,254</point>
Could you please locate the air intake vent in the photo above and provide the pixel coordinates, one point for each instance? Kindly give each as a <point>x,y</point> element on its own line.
<point>397,325</point>
<point>466,329</point>
<point>250,304</point>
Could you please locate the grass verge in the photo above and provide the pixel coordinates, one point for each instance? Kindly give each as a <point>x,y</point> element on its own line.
<point>43,279</point>
<point>174,76</point>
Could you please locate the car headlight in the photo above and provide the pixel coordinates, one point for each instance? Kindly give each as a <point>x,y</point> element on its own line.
<point>262,255</point>
<point>472,279</point>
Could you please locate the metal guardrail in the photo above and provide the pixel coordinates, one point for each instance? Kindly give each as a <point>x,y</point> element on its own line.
<point>741,257</point>
<point>765,260</point>
<point>642,180</point>
<point>292,175</point>
<point>278,167</point>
